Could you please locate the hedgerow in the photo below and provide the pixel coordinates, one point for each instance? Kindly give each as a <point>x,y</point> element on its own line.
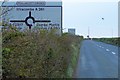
<point>36,53</point>
<point>113,41</point>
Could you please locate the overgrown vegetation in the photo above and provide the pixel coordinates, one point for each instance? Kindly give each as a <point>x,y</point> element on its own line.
<point>113,41</point>
<point>38,53</point>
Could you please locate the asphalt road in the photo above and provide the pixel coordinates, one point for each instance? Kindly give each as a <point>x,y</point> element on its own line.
<point>97,60</point>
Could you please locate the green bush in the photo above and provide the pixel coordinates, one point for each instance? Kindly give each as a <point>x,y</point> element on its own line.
<point>37,53</point>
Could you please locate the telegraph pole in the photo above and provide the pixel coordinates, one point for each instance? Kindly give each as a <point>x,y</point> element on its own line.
<point>88,33</point>
<point>112,32</point>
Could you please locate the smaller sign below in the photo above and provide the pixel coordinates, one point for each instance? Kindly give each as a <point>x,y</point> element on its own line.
<point>71,31</point>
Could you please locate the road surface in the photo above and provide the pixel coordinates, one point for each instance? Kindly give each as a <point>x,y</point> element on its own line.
<point>97,60</point>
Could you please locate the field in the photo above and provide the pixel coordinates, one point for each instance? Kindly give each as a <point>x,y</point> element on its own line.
<point>113,41</point>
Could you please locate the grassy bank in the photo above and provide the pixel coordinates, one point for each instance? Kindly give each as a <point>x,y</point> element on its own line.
<point>74,58</point>
<point>113,41</point>
<point>39,54</point>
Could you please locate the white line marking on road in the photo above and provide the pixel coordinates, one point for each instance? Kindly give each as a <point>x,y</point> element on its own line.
<point>107,50</point>
<point>113,53</point>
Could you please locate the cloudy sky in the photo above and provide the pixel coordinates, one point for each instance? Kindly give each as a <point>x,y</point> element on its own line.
<point>81,14</point>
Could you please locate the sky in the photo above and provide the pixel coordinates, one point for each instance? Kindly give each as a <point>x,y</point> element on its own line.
<point>84,14</point>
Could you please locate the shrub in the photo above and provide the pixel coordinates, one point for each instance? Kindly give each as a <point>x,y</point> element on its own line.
<point>36,54</point>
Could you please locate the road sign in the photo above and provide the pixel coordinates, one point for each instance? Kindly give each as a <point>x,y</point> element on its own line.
<point>45,15</point>
<point>71,31</point>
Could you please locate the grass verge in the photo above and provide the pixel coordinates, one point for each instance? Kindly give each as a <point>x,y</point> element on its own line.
<point>74,58</point>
